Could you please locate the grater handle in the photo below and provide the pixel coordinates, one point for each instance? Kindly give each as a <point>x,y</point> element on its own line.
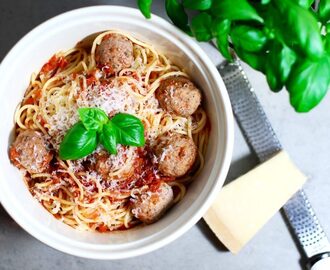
<point>320,262</point>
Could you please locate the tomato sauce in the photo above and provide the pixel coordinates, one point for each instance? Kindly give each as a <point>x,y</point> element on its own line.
<point>146,172</point>
<point>53,64</point>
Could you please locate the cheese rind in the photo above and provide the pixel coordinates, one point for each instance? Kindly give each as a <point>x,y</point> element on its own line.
<point>247,203</point>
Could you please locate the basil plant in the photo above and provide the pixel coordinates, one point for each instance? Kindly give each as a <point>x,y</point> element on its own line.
<point>287,40</point>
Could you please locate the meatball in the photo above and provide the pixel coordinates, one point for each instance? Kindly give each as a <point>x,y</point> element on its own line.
<point>115,52</point>
<point>151,205</point>
<point>103,164</point>
<point>176,154</point>
<point>178,95</point>
<point>29,151</point>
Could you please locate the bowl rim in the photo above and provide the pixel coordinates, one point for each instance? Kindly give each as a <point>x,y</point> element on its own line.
<point>96,252</point>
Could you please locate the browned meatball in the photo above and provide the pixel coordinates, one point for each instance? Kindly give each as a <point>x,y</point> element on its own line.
<point>29,151</point>
<point>178,95</point>
<point>151,205</point>
<point>176,154</point>
<point>115,52</point>
<point>102,164</point>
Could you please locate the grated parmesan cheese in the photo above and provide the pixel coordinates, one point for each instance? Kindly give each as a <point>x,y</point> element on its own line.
<point>61,108</point>
<point>165,151</point>
<point>110,99</point>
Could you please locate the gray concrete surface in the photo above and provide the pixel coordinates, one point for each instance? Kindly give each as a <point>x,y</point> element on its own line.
<point>305,136</point>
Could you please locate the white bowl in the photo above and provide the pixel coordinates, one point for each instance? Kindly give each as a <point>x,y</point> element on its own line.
<point>63,32</point>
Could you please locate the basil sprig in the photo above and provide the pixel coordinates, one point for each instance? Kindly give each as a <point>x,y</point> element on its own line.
<point>93,118</point>
<point>123,129</point>
<point>287,40</point>
<point>324,10</point>
<point>145,7</point>
<point>95,127</point>
<point>78,142</point>
<point>220,31</point>
<point>177,14</point>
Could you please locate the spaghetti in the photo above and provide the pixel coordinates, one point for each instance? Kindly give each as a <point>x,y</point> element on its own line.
<point>80,197</point>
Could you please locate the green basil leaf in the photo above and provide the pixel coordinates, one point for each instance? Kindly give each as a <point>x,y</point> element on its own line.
<point>108,138</point>
<point>274,25</point>
<point>324,10</point>
<point>300,27</point>
<point>239,10</point>
<point>280,59</point>
<point>177,14</point>
<point>78,142</point>
<point>327,28</point>
<point>220,27</point>
<point>220,30</point>
<point>304,3</point>
<point>248,38</point>
<point>129,129</point>
<point>145,7</point>
<point>265,2</point>
<point>327,43</point>
<point>93,118</point>
<point>255,60</point>
<point>273,81</point>
<point>201,26</point>
<point>273,20</point>
<point>308,83</point>
<point>197,4</point>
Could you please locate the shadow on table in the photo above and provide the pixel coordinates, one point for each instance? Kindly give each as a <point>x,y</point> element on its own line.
<point>210,236</point>
<point>5,219</point>
<point>237,168</point>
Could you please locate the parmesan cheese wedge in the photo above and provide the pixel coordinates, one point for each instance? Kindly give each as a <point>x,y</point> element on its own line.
<point>247,203</point>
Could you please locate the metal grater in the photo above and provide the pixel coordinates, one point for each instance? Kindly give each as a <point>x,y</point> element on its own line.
<point>260,135</point>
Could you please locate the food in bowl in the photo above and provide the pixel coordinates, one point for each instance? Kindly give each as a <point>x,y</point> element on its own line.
<point>78,133</point>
